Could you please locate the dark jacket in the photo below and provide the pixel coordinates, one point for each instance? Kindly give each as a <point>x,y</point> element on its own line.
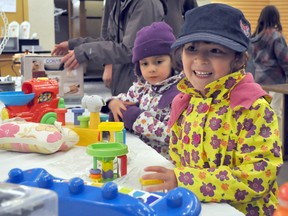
<point>175,13</point>
<point>117,49</point>
<point>270,57</point>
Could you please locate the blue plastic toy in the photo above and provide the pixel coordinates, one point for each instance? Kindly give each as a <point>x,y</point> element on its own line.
<point>76,198</point>
<point>17,98</point>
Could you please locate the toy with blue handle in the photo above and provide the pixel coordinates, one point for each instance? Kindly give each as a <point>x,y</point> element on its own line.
<point>77,198</point>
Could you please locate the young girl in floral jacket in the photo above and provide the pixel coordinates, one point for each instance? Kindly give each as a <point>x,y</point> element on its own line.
<point>225,138</point>
<point>145,108</point>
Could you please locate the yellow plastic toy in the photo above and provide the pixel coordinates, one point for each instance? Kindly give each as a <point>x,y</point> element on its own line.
<point>90,129</point>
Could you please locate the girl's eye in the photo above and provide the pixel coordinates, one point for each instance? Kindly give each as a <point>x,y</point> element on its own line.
<point>159,62</point>
<point>216,51</point>
<point>190,48</point>
<point>143,63</point>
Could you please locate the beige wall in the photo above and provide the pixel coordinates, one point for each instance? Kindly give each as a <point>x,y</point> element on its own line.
<point>41,18</point>
<point>252,9</point>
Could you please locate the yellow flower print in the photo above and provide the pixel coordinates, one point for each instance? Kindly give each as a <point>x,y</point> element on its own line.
<point>247,158</point>
<point>268,173</point>
<point>240,141</point>
<point>195,124</point>
<point>203,155</point>
<point>211,109</point>
<point>219,86</point>
<point>202,175</point>
<point>181,168</point>
<point>276,132</point>
<point>143,121</point>
<point>226,126</point>
<point>224,186</point>
<point>223,143</point>
<point>214,200</point>
<point>244,175</point>
<point>181,87</point>
<point>264,148</point>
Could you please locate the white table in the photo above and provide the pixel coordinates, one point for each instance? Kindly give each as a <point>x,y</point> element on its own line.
<point>76,163</point>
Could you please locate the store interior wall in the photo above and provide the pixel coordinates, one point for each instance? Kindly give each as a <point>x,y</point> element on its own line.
<point>41,18</point>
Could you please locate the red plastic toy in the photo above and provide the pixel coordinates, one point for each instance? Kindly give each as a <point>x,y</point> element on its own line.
<point>37,102</point>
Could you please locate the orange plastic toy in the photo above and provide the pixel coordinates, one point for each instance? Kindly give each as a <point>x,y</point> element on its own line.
<point>282,209</point>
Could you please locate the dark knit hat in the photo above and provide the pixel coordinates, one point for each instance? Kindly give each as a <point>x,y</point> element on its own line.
<point>216,23</point>
<point>152,40</point>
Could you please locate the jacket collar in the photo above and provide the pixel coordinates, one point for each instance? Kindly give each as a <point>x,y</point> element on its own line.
<point>243,94</point>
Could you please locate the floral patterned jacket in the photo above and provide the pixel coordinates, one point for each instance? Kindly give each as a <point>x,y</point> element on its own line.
<point>225,145</point>
<point>149,119</point>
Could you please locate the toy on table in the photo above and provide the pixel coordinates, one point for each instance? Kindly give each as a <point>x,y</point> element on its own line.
<point>94,104</point>
<point>21,136</point>
<point>106,153</point>
<point>36,102</point>
<point>77,198</point>
<point>91,128</point>
<point>282,209</point>
<point>149,182</point>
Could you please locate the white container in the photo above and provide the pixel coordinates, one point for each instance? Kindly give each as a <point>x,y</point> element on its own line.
<point>23,200</point>
<point>13,29</point>
<point>24,32</point>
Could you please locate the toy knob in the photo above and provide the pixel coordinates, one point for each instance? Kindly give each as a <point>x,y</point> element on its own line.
<point>174,199</point>
<point>76,185</point>
<point>16,175</point>
<point>109,191</point>
<point>45,181</point>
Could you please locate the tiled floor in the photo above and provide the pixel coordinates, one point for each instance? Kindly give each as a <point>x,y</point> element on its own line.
<point>97,87</point>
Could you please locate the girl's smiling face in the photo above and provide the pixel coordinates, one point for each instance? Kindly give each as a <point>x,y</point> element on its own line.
<point>205,62</point>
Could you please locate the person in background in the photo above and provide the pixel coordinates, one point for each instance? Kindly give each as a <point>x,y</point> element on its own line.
<point>225,140</point>
<point>145,108</point>
<point>174,17</point>
<point>269,55</point>
<point>126,18</point>
<point>108,6</point>
<point>175,13</point>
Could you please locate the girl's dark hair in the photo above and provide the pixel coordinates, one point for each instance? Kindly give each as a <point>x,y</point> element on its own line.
<point>269,18</point>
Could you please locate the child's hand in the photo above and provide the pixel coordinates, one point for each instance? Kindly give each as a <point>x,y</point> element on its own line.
<point>116,106</point>
<point>162,173</point>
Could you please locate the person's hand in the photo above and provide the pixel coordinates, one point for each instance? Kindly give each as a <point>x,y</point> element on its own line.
<point>107,75</point>
<point>166,175</point>
<point>130,115</point>
<point>116,106</point>
<point>70,61</point>
<point>60,49</point>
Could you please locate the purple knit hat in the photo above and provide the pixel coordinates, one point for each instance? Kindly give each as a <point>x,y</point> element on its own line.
<point>152,40</point>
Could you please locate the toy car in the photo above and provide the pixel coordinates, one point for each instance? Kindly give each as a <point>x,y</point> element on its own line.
<point>35,103</point>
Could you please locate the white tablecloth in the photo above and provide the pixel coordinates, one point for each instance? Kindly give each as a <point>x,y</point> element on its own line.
<point>76,163</point>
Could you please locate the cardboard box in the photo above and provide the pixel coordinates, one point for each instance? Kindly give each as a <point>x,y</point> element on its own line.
<point>71,82</point>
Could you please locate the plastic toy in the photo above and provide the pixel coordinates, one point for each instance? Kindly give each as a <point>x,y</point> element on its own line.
<point>282,209</point>
<point>35,103</point>
<point>106,153</point>
<point>76,198</point>
<point>94,104</point>
<point>90,128</point>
